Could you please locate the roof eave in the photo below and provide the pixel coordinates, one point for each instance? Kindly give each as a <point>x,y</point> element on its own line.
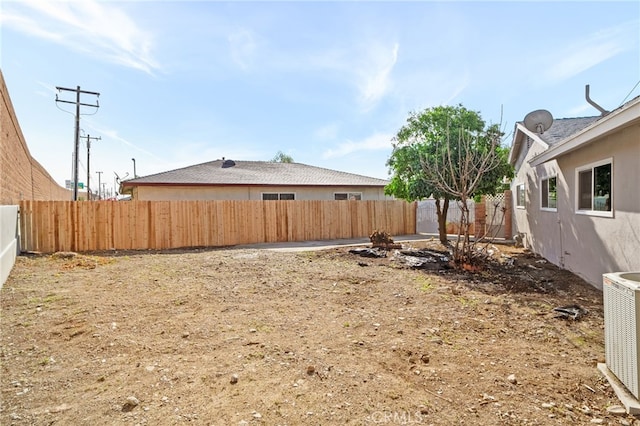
<point>515,146</point>
<point>599,129</point>
<point>520,132</point>
<point>127,185</point>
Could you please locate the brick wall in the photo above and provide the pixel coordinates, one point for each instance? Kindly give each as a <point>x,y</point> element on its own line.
<point>21,176</point>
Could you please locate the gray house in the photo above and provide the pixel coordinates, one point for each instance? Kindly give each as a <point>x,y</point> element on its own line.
<point>254,180</point>
<point>577,191</point>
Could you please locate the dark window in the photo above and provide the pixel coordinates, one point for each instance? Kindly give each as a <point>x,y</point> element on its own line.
<point>354,196</point>
<point>278,196</point>
<point>584,190</point>
<point>602,188</point>
<point>549,198</point>
<point>520,195</point>
<point>595,188</point>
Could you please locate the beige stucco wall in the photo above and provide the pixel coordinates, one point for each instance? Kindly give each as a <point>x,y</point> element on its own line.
<point>163,193</point>
<point>532,192</point>
<point>584,244</point>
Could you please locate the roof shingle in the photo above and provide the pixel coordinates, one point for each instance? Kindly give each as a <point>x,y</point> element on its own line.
<point>256,173</point>
<point>562,128</point>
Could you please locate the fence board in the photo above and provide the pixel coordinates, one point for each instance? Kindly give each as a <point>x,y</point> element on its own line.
<point>49,226</point>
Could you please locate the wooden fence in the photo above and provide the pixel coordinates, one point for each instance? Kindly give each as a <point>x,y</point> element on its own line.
<point>51,226</point>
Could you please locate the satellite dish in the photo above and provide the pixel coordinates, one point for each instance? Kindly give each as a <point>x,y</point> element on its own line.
<point>538,121</point>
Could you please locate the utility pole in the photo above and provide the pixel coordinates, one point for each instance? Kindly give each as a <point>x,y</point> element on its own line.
<point>78,104</point>
<point>99,176</point>
<point>89,138</point>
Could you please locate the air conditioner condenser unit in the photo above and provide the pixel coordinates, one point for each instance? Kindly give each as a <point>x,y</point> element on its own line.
<point>621,294</point>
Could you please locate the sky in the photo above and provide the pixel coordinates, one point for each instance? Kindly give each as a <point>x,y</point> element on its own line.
<point>328,83</point>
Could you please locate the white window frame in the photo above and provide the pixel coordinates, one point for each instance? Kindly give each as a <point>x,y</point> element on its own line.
<point>349,195</point>
<point>279,194</point>
<point>592,166</point>
<point>542,182</point>
<point>521,188</point>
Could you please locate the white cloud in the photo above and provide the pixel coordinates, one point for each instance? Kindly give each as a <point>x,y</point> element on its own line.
<point>581,60</point>
<point>243,47</point>
<point>50,92</point>
<point>367,66</point>
<point>460,85</point>
<point>581,110</point>
<point>327,132</point>
<point>114,135</point>
<point>592,51</point>
<point>374,74</point>
<point>375,142</point>
<point>28,25</point>
<point>95,28</point>
<point>427,87</point>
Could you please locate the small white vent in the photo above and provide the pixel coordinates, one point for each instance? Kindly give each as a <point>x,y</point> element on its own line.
<point>621,298</point>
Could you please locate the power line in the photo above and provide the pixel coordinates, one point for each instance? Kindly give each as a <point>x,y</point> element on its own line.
<point>629,94</point>
<point>78,104</point>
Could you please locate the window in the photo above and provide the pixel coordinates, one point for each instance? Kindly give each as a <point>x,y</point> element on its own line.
<point>520,195</point>
<point>594,194</point>
<point>549,196</point>
<point>348,196</point>
<point>278,196</point>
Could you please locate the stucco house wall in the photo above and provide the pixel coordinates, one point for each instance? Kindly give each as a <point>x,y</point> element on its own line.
<point>524,175</point>
<point>585,243</point>
<point>593,245</point>
<point>164,193</point>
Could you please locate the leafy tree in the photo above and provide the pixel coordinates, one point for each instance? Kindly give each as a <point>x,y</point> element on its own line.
<point>474,165</point>
<point>281,157</point>
<point>446,152</point>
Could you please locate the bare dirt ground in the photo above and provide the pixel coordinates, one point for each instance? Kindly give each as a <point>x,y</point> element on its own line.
<point>253,336</point>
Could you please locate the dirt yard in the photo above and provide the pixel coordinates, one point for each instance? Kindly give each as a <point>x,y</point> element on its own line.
<point>326,337</point>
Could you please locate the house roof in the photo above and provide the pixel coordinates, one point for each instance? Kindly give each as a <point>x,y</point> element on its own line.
<point>626,115</point>
<point>213,173</point>
<point>560,129</point>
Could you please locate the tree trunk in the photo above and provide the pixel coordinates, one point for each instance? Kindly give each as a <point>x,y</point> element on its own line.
<point>442,219</point>
<point>463,253</point>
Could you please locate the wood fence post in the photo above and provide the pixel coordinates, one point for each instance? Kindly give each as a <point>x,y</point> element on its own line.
<point>480,218</point>
<point>508,214</point>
